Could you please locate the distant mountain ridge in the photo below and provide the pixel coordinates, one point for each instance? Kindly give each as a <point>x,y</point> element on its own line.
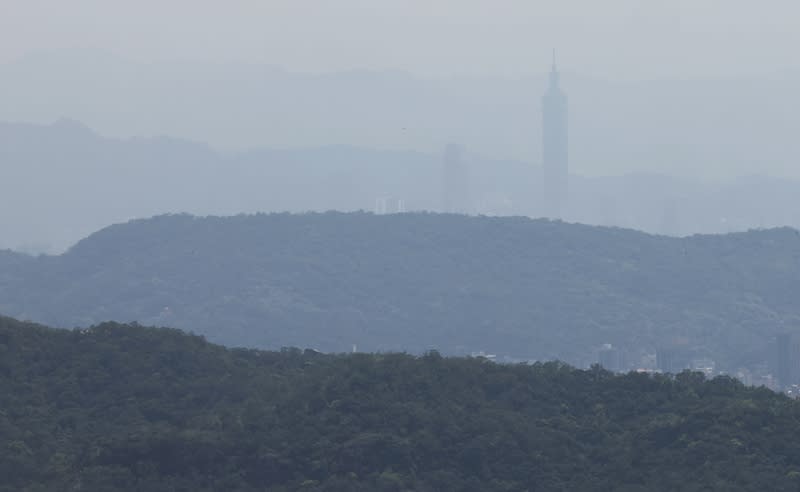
<point>83,181</point>
<point>526,289</point>
<point>718,127</point>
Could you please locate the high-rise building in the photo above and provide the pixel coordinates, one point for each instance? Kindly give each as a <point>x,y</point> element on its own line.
<point>555,156</point>
<point>705,365</point>
<point>611,358</point>
<point>672,359</point>
<point>787,364</point>
<point>389,205</point>
<point>455,180</point>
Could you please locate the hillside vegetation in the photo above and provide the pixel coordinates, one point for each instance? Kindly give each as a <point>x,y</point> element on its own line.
<point>121,407</point>
<point>528,289</point>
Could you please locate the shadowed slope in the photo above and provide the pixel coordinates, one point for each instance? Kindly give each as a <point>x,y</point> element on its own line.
<point>513,286</point>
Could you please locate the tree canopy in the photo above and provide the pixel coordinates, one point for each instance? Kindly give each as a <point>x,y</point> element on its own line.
<point>123,407</point>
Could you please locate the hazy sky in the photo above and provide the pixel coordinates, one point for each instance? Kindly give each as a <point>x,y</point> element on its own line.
<point>615,39</point>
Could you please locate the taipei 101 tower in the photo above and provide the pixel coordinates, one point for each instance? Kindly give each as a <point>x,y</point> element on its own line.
<point>555,158</point>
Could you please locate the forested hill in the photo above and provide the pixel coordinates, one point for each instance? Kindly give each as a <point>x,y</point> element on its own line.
<point>120,407</point>
<point>529,289</point>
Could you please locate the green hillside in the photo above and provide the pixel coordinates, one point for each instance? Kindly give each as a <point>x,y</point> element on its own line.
<point>120,407</point>
<point>527,289</point>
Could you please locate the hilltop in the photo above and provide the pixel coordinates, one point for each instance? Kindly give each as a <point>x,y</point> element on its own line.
<point>122,407</point>
<point>526,289</point>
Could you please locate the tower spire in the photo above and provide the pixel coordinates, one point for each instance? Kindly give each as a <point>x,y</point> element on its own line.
<point>554,72</point>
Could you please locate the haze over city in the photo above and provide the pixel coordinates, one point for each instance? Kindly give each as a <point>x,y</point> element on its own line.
<point>384,245</point>
<point>698,92</point>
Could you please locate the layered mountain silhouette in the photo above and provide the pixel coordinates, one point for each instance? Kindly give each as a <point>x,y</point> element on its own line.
<point>724,127</point>
<point>520,288</point>
<point>64,181</point>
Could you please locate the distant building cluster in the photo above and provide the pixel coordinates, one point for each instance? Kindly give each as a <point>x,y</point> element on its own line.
<point>555,163</point>
<point>781,373</point>
<point>456,183</point>
<point>389,205</point>
<point>668,359</point>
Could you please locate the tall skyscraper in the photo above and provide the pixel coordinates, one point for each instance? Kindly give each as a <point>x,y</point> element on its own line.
<point>455,180</point>
<point>611,358</point>
<point>555,157</point>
